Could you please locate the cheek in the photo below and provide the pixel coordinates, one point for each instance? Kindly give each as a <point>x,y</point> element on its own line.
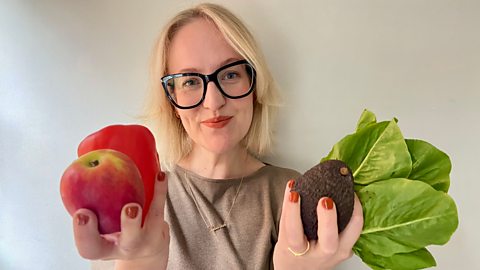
<point>247,113</point>
<point>251,104</point>
<point>188,121</point>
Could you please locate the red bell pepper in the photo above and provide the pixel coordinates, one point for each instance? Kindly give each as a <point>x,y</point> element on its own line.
<point>137,142</point>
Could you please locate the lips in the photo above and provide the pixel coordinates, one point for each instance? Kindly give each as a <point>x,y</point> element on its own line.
<point>217,122</point>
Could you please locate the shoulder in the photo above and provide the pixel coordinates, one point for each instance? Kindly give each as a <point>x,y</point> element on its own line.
<point>271,182</point>
<point>274,177</point>
<point>282,173</point>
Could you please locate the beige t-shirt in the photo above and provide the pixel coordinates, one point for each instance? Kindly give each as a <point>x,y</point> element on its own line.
<point>195,203</point>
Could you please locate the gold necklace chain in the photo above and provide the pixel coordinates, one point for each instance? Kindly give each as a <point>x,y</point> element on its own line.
<point>207,222</point>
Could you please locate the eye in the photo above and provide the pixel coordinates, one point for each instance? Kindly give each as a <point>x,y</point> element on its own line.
<point>191,83</point>
<point>231,75</point>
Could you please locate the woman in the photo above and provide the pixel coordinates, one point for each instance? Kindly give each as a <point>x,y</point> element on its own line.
<point>225,209</point>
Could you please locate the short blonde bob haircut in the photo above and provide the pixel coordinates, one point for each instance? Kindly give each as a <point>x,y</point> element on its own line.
<point>172,140</point>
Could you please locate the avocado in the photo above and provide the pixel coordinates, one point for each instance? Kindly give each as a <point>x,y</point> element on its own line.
<point>330,178</point>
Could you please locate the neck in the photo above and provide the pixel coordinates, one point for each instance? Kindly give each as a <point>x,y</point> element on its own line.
<point>235,163</point>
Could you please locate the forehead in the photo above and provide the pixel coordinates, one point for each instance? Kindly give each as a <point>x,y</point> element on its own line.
<point>199,46</point>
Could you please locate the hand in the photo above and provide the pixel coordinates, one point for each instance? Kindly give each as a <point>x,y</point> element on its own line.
<point>329,250</point>
<point>134,241</point>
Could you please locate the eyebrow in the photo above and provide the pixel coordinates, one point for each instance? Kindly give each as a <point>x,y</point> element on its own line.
<point>223,63</point>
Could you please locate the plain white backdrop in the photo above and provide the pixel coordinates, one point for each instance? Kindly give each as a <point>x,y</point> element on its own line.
<point>68,68</point>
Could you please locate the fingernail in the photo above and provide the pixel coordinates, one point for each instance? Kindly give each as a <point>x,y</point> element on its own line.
<point>327,203</point>
<point>293,196</point>
<point>161,176</point>
<point>132,211</point>
<point>82,219</point>
<point>291,183</point>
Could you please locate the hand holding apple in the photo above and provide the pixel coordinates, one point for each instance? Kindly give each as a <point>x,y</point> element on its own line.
<point>135,141</point>
<point>102,181</point>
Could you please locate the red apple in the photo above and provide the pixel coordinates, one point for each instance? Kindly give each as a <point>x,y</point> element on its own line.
<point>102,181</point>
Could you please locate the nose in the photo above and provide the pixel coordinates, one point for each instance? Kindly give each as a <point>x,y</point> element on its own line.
<point>214,99</point>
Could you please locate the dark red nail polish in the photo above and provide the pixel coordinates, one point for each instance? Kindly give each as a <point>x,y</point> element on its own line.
<point>132,211</point>
<point>82,219</point>
<point>291,183</point>
<point>293,196</point>
<point>161,176</point>
<point>327,203</point>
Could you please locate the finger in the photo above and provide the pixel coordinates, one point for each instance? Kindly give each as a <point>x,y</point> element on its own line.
<point>131,222</point>
<point>286,201</point>
<point>294,234</point>
<point>327,226</point>
<point>155,216</point>
<point>284,205</point>
<point>352,231</point>
<point>90,244</point>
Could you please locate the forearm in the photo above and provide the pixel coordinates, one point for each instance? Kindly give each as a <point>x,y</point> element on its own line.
<point>283,260</point>
<point>151,263</point>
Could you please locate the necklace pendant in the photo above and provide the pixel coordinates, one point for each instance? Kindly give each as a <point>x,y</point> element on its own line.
<point>216,228</point>
<point>205,219</point>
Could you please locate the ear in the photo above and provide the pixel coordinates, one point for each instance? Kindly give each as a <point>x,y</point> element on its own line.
<point>174,111</point>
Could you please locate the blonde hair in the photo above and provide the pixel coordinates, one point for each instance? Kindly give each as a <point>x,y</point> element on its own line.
<point>172,140</point>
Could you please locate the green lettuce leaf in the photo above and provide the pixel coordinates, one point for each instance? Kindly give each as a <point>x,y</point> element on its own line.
<point>403,185</point>
<point>402,216</point>
<point>429,164</point>
<point>367,118</point>
<point>418,259</point>
<point>375,152</point>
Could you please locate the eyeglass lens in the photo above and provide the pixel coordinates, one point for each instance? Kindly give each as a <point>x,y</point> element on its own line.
<point>234,81</point>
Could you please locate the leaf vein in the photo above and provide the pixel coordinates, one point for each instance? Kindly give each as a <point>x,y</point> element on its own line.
<point>374,230</point>
<point>370,151</point>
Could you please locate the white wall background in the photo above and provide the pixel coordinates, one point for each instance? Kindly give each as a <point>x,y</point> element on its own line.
<point>68,68</point>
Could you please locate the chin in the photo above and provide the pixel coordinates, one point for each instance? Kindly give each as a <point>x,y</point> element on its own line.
<point>223,141</point>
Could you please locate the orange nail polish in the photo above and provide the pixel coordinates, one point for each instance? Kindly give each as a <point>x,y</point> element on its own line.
<point>293,196</point>
<point>82,219</point>
<point>132,211</point>
<point>327,203</point>
<point>291,183</point>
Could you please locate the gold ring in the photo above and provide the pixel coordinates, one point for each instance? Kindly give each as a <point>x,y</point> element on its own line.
<point>296,254</point>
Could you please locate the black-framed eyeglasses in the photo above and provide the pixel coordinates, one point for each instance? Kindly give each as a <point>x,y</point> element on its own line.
<point>187,90</point>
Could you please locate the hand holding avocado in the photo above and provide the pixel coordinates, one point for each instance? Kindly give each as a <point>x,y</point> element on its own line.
<point>321,247</point>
